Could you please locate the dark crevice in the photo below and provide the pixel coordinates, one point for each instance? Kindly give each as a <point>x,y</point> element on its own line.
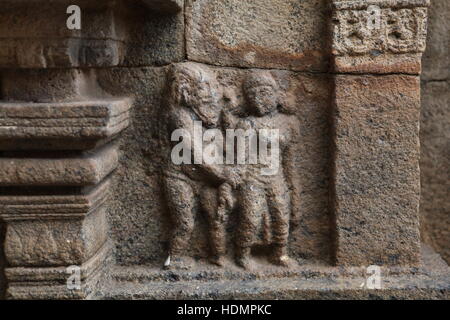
<point>3,284</point>
<point>434,80</point>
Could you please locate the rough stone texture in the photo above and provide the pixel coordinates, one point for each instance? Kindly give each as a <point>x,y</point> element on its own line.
<point>430,281</point>
<point>27,85</point>
<point>51,282</point>
<point>113,33</point>
<point>435,165</point>
<point>80,125</point>
<point>378,36</point>
<point>53,44</point>
<point>284,34</point>
<point>62,84</point>
<point>40,244</point>
<point>154,38</point>
<point>435,132</point>
<point>141,234</point>
<point>47,230</point>
<point>436,59</point>
<point>376,171</point>
<point>78,170</point>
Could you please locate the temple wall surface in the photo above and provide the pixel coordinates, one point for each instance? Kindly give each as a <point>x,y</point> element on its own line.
<point>83,150</point>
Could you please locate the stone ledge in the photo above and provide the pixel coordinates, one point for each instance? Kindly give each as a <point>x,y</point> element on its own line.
<point>364,4</point>
<point>55,243</point>
<point>408,63</point>
<point>49,207</point>
<point>68,125</point>
<point>50,283</point>
<point>280,289</point>
<point>430,281</point>
<point>88,169</point>
<point>58,274</point>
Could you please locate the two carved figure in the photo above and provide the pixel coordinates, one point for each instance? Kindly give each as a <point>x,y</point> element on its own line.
<point>256,187</point>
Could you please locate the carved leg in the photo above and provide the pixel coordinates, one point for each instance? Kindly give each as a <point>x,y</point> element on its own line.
<point>180,199</point>
<point>279,207</point>
<point>251,197</point>
<point>209,200</point>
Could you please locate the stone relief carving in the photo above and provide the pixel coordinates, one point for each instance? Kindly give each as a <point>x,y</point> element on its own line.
<point>193,95</point>
<point>57,210</point>
<point>363,28</point>
<point>257,190</point>
<point>265,199</point>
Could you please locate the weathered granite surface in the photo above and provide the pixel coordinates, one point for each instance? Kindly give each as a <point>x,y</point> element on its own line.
<point>377,140</point>
<point>86,178</point>
<point>283,34</point>
<point>429,281</point>
<point>434,132</point>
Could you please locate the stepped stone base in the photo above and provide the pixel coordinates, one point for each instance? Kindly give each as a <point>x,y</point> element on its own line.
<point>51,283</point>
<point>429,281</point>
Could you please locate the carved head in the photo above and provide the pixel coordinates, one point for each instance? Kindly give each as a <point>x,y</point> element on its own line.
<point>193,86</point>
<point>262,93</point>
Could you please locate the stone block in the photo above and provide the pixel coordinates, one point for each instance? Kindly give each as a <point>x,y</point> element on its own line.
<point>54,230</point>
<point>49,85</point>
<point>86,169</point>
<point>32,283</point>
<point>63,125</point>
<point>378,36</point>
<point>262,34</point>
<point>155,38</point>
<point>376,171</point>
<point>29,40</point>
<point>305,283</point>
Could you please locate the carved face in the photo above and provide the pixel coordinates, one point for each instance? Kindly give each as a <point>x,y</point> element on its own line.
<point>204,100</point>
<point>262,99</point>
<point>198,90</point>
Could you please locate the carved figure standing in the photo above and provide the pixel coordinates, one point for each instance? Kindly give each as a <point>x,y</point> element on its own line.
<point>265,198</point>
<point>193,95</point>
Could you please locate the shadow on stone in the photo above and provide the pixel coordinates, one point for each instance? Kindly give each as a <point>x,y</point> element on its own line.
<point>2,260</point>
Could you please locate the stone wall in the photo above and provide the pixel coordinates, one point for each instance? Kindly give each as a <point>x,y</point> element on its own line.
<point>82,115</point>
<point>435,131</point>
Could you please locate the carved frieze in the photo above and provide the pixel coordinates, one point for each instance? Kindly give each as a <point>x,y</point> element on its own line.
<point>376,27</point>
